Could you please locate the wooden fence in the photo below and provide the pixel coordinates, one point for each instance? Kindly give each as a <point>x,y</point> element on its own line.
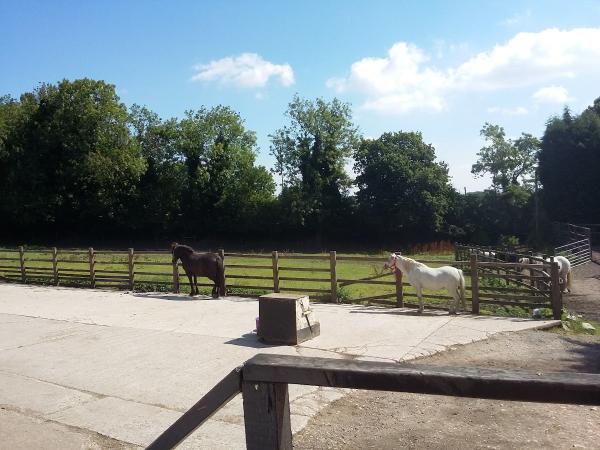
<point>490,281</point>
<point>263,382</point>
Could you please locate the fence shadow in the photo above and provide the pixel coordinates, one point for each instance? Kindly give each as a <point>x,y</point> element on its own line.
<point>586,355</point>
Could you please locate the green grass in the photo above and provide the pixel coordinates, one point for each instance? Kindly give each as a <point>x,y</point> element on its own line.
<point>159,277</point>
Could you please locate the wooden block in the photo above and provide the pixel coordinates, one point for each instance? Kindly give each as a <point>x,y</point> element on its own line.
<point>286,319</point>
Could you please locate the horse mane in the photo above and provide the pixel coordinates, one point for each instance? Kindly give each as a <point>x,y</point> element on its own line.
<point>411,263</point>
<point>187,248</point>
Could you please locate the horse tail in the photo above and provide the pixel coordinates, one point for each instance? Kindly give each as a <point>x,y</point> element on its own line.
<point>221,276</point>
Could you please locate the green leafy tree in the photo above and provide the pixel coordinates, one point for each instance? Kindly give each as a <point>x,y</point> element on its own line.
<point>570,164</point>
<point>402,189</point>
<point>510,163</point>
<point>310,153</point>
<point>72,159</point>
<point>224,188</point>
<point>156,204</point>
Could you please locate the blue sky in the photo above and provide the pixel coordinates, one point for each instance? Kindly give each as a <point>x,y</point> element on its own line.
<point>442,68</point>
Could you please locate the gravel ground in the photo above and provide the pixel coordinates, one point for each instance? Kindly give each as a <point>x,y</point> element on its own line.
<point>390,420</point>
<point>585,296</point>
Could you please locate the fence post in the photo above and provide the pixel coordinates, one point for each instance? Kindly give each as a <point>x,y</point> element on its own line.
<point>275,259</point>
<point>176,277</point>
<point>222,255</point>
<point>92,258</point>
<point>55,264</point>
<point>474,284</point>
<point>22,261</point>
<point>399,290</point>
<point>131,265</point>
<point>267,416</point>
<point>332,270</point>
<point>556,290</point>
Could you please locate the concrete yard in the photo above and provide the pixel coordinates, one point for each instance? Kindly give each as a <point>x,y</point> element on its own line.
<point>84,368</point>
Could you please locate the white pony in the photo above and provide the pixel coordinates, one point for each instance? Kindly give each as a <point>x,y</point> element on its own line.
<point>420,276</point>
<point>565,275</point>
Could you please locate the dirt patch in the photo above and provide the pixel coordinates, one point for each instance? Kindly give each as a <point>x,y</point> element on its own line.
<point>389,420</point>
<point>584,298</point>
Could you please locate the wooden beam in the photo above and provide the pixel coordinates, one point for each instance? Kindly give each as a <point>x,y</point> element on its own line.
<point>549,387</point>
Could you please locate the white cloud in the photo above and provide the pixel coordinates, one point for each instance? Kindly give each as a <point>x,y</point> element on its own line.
<point>248,70</point>
<point>404,80</point>
<point>516,111</point>
<point>551,94</point>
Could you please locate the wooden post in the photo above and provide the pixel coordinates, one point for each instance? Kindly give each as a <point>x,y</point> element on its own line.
<point>399,290</point>
<point>474,284</point>
<point>55,264</point>
<point>275,259</point>
<point>332,270</point>
<point>92,259</point>
<point>176,277</point>
<point>556,290</point>
<point>131,265</point>
<point>22,261</point>
<point>267,416</point>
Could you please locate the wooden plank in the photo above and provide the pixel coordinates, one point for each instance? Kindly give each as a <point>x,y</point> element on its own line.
<point>267,416</point>
<point>248,266</point>
<point>10,259</point>
<point>525,298</point>
<point>142,272</point>
<point>37,260</point>
<point>249,255</point>
<point>92,261</point>
<point>316,280</point>
<point>556,292</point>
<point>125,272</point>
<point>10,269</point>
<point>379,259</point>
<point>303,269</point>
<point>151,263</point>
<point>287,289</point>
<point>55,264</point>
<point>529,305</point>
<point>22,262</point>
<point>399,289</point>
<point>558,387</point>
<point>332,276</point>
<point>275,268</point>
<point>251,277</point>
<point>348,282</point>
<point>64,269</point>
<point>131,267</point>
<point>288,256</point>
<point>208,405</point>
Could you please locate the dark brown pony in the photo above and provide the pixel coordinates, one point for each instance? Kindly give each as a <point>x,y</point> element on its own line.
<point>208,265</point>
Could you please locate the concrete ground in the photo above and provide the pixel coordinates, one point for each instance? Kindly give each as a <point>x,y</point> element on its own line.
<point>99,369</point>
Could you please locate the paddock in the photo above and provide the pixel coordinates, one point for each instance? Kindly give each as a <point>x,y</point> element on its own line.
<point>90,364</point>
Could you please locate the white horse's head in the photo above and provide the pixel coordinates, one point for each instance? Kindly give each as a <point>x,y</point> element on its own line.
<point>392,261</point>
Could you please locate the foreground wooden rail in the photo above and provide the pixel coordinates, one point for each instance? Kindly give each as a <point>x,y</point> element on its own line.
<point>263,381</point>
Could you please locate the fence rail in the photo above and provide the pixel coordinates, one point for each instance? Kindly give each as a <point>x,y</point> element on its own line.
<point>503,281</point>
<point>264,379</point>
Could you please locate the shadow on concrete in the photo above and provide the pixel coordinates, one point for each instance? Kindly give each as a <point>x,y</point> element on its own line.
<point>249,340</point>
<point>398,312</point>
<point>172,297</point>
<point>586,354</point>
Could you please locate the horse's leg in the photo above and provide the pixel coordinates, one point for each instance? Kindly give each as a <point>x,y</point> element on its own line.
<point>196,284</point>
<point>191,284</point>
<point>455,298</point>
<point>420,295</point>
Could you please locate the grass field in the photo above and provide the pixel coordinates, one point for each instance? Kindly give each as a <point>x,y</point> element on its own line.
<point>73,266</point>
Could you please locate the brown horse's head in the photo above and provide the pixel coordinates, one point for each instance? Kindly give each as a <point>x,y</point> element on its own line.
<point>179,251</point>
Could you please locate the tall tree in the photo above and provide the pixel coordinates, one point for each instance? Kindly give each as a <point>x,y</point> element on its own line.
<point>73,161</point>
<point>310,154</point>
<point>510,163</point>
<point>224,187</point>
<point>402,189</point>
<point>570,164</point>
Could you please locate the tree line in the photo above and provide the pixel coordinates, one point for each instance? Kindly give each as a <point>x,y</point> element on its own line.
<point>75,162</point>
